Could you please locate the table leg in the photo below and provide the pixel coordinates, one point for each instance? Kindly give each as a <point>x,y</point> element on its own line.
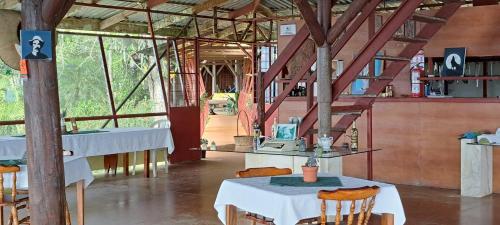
<point>231,215</point>
<point>146,163</point>
<point>125,164</point>
<point>153,160</point>
<point>387,219</point>
<point>80,199</point>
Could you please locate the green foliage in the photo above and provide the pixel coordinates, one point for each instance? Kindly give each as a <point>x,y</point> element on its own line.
<point>82,82</point>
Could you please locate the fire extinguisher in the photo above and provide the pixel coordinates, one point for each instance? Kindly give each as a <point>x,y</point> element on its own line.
<point>416,71</point>
<point>416,85</point>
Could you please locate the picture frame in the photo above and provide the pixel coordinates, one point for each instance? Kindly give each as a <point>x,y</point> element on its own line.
<point>286,132</point>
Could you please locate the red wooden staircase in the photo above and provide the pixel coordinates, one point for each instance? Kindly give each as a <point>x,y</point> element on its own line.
<point>368,52</point>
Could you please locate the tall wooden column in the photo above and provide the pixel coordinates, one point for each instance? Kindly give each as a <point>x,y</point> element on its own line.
<point>43,132</point>
<point>324,71</point>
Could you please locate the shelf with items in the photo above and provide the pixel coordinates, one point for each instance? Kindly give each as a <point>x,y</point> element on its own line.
<point>494,77</point>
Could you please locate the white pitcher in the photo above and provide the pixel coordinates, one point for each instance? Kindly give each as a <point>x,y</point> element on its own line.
<point>325,142</point>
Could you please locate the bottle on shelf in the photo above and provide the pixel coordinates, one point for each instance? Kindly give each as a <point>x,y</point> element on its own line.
<point>256,136</point>
<point>354,137</point>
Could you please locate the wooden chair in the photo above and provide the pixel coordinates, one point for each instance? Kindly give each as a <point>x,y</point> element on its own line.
<point>17,199</point>
<point>365,194</point>
<point>266,172</point>
<point>12,199</point>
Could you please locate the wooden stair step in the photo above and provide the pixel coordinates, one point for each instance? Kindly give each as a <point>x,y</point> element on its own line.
<point>391,58</point>
<point>334,129</point>
<point>427,19</point>
<point>348,109</point>
<point>359,96</point>
<point>409,39</point>
<point>375,78</point>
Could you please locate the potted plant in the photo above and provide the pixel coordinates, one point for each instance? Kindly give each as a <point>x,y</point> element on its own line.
<point>204,144</point>
<point>310,169</point>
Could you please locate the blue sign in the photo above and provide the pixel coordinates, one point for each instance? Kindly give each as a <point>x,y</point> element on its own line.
<point>36,45</point>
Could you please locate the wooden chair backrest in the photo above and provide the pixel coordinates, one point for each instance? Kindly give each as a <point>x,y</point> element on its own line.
<point>365,194</point>
<point>4,170</point>
<point>263,172</point>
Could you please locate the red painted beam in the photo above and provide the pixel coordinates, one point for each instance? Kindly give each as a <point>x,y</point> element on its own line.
<point>285,56</point>
<point>153,3</point>
<point>351,13</point>
<point>312,23</point>
<point>356,24</point>
<point>306,65</point>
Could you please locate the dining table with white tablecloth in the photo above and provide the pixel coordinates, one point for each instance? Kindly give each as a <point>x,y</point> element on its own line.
<point>99,142</point>
<point>287,205</point>
<point>86,144</point>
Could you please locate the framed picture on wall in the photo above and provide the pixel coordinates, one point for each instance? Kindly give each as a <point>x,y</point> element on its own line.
<point>454,62</point>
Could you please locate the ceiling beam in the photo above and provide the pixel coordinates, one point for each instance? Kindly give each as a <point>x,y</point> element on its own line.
<point>265,11</point>
<point>170,20</point>
<point>311,21</point>
<point>207,5</point>
<point>115,19</point>
<point>82,24</point>
<point>75,8</point>
<point>244,10</point>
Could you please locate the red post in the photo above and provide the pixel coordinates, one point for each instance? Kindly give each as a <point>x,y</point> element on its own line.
<point>111,161</point>
<point>369,114</point>
<point>164,93</point>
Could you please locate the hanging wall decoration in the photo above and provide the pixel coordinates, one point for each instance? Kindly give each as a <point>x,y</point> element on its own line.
<point>36,45</point>
<point>454,61</point>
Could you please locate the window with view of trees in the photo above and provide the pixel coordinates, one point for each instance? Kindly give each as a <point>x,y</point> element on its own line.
<point>82,82</point>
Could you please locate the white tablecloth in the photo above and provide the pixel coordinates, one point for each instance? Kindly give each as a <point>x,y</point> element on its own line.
<point>288,205</point>
<point>115,140</point>
<point>75,169</point>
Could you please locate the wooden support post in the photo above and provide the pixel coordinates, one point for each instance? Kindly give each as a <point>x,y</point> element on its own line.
<point>80,200</point>
<point>110,161</point>
<point>196,26</point>
<point>215,27</point>
<point>254,28</point>
<point>42,119</point>
<point>158,63</point>
<point>146,163</point>
<point>324,71</point>
<point>369,114</point>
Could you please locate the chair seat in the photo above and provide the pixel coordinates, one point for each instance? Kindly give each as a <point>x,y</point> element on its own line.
<point>265,220</point>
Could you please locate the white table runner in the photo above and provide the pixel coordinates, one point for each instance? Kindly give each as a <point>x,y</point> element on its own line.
<point>113,141</point>
<point>288,205</point>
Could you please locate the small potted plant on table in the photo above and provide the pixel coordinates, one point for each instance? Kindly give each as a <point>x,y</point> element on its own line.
<point>204,144</point>
<point>310,169</point>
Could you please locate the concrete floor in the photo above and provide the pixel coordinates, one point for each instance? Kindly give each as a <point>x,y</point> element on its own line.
<point>186,195</point>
